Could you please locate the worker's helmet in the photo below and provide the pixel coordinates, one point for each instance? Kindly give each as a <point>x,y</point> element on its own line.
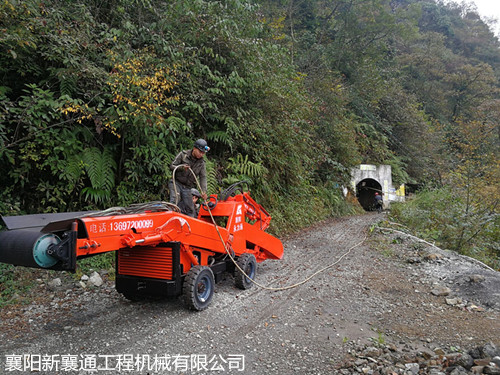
<point>195,192</point>
<point>201,145</point>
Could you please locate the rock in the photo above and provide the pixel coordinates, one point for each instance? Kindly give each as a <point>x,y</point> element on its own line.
<point>475,308</point>
<point>389,371</point>
<point>360,362</point>
<point>476,278</point>
<point>440,290</point>
<point>490,350</point>
<point>414,260</point>
<point>464,360</point>
<point>482,362</point>
<point>95,279</point>
<point>436,372</point>
<point>371,352</point>
<point>439,351</point>
<point>453,301</point>
<point>55,283</point>
<point>459,370</point>
<point>84,278</point>
<point>477,369</point>
<point>412,368</point>
<point>426,355</point>
<point>491,370</point>
<point>496,361</point>
<point>475,353</point>
<point>373,360</point>
<point>392,347</point>
<point>82,284</point>
<point>433,256</point>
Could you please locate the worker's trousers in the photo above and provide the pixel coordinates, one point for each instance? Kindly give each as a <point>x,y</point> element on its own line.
<point>183,199</point>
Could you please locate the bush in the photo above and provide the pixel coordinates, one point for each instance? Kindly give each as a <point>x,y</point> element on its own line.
<point>442,217</point>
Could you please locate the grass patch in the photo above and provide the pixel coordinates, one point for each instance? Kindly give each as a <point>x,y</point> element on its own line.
<point>11,284</point>
<point>101,262</point>
<point>18,284</point>
<point>383,246</point>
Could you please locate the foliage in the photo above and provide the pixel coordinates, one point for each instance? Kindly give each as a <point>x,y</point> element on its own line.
<point>476,177</point>
<point>97,98</point>
<point>441,216</point>
<point>213,186</point>
<point>242,169</point>
<point>100,168</point>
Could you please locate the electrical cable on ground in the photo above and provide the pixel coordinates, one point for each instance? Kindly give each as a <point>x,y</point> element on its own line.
<point>274,289</point>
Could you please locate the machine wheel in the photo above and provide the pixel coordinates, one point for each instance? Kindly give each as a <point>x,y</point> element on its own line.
<point>198,288</point>
<point>248,264</point>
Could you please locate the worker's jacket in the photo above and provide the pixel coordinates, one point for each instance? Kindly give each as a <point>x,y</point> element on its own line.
<point>185,177</point>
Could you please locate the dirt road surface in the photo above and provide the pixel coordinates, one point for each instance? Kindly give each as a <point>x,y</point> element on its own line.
<point>379,293</point>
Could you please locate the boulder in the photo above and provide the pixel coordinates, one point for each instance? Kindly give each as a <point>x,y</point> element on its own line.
<point>464,360</point>
<point>491,369</point>
<point>95,279</point>
<point>55,283</point>
<point>440,290</point>
<point>490,351</point>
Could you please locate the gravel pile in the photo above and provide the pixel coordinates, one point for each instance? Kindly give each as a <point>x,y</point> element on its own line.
<point>408,360</point>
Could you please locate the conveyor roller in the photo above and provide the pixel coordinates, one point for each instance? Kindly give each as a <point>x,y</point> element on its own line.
<point>27,248</point>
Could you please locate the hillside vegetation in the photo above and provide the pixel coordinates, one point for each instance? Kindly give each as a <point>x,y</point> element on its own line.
<point>97,97</point>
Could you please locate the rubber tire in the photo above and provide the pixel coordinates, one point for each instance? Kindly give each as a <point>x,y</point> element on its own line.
<point>198,288</point>
<point>247,263</point>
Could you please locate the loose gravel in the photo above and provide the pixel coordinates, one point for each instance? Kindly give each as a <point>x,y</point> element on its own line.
<point>377,295</point>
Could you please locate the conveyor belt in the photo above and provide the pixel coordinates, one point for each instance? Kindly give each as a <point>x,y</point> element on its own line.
<point>23,247</point>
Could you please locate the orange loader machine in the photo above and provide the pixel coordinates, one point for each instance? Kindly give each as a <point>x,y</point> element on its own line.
<point>159,251</point>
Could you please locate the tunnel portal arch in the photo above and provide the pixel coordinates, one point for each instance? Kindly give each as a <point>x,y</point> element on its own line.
<point>368,179</point>
<point>365,192</point>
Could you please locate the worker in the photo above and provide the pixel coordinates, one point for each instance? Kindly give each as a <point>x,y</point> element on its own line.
<point>379,203</point>
<point>188,164</point>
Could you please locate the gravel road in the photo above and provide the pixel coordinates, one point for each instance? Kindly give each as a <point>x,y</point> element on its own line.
<point>380,292</point>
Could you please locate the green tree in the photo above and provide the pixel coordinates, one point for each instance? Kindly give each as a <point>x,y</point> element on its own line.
<point>476,175</point>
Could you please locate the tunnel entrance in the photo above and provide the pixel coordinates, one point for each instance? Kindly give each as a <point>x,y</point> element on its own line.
<point>365,192</point>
